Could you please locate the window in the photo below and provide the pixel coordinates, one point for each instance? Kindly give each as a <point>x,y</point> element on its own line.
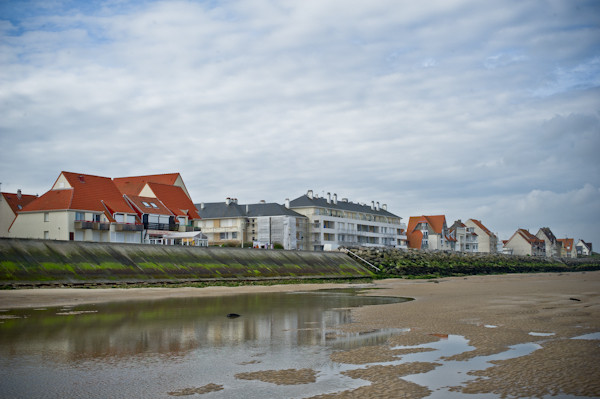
<point>131,219</point>
<point>147,205</point>
<point>46,235</point>
<point>120,218</point>
<point>79,216</point>
<point>97,218</point>
<point>46,216</point>
<point>234,235</point>
<point>153,205</point>
<point>223,236</point>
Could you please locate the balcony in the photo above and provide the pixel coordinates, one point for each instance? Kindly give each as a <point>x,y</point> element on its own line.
<point>101,226</point>
<point>84,225</point>
<point>128,227</point>
<point>87,225</point>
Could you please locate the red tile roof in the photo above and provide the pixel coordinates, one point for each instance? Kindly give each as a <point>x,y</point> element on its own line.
<point>526,235</point>
<point>133,185</point>
<point>567,243</point>
<point>175,199</point>
<point>158,209</point>
<point>87,193</point>
<point>15,203</point>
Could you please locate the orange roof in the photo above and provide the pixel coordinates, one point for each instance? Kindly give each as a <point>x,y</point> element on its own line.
<point>415,237</point>
<point>133,185</point>
<point>175,199</point>
<point>87,193</point>
<point>154,207</point>
<point>482,227</point>
<point>567,243</point>
<point>15,203</point>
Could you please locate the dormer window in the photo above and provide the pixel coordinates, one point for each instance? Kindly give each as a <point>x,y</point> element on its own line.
<point>154,205</point>
<point>147,205</point>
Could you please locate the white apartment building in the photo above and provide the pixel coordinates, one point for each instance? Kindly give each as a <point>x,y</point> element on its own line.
<point>333,224</point>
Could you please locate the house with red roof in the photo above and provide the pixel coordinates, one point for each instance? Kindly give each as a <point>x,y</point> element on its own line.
<point>429,232</point>
<point>10,205</point>
<point>567,247</point>
<point>487,241</point>
<point>522,242</point>
<point>79,207</point>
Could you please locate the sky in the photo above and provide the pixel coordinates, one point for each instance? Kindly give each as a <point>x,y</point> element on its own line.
<point>472,109</point>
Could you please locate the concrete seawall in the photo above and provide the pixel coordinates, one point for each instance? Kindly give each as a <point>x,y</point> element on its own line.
<point>24,262</point>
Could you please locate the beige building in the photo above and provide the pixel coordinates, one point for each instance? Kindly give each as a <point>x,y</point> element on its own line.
<point>10,205</point>
<point>262,225</point>
<point>487,241</point>
<point>523,242</point>
<point>334,223</point>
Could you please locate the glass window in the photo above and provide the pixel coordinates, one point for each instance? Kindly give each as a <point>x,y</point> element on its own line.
<point>79,216</point>
<point>147,205</point>
<point>46,216</point>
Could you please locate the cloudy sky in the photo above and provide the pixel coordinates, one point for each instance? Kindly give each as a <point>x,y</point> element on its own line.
<point>472,109</point>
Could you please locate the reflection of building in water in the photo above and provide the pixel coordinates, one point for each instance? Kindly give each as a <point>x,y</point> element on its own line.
<point>174,328</point>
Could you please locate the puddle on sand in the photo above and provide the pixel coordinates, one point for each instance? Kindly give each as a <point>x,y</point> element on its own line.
<point>454,373</point>
<point>541,334</point>
<point>595,335</point>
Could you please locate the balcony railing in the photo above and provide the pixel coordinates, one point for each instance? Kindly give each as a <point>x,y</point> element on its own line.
<point>88,225</point>
<point>128,227</point>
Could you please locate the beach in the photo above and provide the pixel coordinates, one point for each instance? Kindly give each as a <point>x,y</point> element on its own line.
<point>493,313</point>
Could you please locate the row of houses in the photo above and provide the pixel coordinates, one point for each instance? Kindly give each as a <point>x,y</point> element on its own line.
<point>158,209</point>
<point>432,232</point>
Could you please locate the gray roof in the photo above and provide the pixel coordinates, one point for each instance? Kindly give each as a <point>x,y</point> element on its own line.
<point>306,202</point>
<point>221,210</point>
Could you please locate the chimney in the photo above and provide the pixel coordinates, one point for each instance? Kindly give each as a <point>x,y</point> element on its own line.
<point>309,194</point>
<point>202,205</point>
<point>227,201</point>
<point>329,198</point>
<point>384,207</point>
<point>247,208</point>
<point>335,198</point>
<point>373,205</point>
<point>377,207</point>
<point>19,194</point>
<point>287,203</point>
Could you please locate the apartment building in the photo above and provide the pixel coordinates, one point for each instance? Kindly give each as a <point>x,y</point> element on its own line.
<point>334,223</point>
<point>261,225</point>
<point>465,238</point>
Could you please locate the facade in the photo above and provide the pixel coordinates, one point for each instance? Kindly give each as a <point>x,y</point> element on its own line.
<point>567,248</point>
<point>10,205</point>
<point>333,224</point>
<point>583,248</point>
<point>523,242</point>
<point>260,225</point>
<point>465,238</point>
<point>429,232</point>
<point>487,242</point>
<point>79,207</point>
<point>552,245</point>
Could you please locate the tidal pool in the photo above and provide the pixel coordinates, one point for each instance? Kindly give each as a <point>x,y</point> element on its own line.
<point>162,348</point>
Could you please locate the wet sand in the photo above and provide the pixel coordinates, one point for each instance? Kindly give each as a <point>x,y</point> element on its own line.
<point>492,312</point>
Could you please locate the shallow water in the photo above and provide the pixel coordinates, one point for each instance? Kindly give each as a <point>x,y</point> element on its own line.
<point>150,348</point>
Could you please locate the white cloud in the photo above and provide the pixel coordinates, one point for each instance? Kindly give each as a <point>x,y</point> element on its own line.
<point>420,107</point>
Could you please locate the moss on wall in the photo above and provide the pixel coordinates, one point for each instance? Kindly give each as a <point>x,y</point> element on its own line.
<point>29,261</point>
